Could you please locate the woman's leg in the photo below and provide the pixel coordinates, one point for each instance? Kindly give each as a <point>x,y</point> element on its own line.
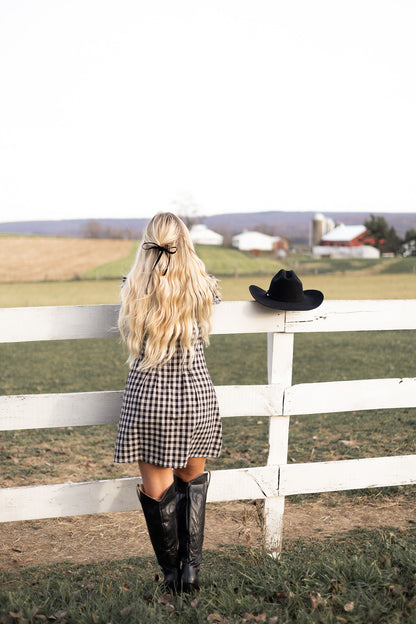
<point>194,467</point>
<point>155,479</point>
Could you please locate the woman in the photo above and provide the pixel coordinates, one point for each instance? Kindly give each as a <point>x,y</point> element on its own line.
<point>169,419</point>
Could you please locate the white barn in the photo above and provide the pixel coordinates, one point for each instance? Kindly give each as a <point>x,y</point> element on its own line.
<point>201,235</point>
<point>342,251</point>
<point>250,240</point>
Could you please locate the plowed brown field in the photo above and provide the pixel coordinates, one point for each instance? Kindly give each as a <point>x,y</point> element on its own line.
<point>33,259</point>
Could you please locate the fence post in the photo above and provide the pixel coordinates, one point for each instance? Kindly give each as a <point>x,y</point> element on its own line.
<point>279,365</point>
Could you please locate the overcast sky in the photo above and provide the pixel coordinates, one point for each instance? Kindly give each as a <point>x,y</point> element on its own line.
<point>122,108</point>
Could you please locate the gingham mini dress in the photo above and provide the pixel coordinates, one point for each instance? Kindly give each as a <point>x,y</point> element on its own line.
<point>169,414</point>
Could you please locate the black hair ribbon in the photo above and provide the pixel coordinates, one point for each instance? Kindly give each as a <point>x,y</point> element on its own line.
<point>147,246</point>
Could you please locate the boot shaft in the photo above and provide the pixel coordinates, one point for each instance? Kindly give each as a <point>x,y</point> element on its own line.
<point>191,502</point>
<point>162,525</point>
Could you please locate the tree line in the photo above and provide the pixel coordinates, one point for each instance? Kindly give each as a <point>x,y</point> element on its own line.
<point>385,236</point>
<point>94,229</point>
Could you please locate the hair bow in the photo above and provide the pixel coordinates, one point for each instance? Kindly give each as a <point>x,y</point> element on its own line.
<point>148,245</point>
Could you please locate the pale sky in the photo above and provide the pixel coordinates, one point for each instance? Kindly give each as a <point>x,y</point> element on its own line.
<point>122,108</point>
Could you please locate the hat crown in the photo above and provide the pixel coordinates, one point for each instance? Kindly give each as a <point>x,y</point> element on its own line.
<point>286,286</point>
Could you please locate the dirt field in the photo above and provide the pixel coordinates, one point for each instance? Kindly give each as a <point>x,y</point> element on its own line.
<point>33,259</point>
<point>89,539</point>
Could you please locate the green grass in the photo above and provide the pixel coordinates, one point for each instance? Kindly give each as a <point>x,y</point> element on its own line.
<point>359,577</point>
<point>401,265</point>
<point>112,270</point>
<point>334,286</point>
<point>225,261</point>
<point>221,261</point>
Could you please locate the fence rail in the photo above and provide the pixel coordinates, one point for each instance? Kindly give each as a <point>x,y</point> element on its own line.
<point>278,400</point>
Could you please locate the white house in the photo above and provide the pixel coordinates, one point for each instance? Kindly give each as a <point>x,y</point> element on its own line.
<point>250,241</point>
<point>201,235</point>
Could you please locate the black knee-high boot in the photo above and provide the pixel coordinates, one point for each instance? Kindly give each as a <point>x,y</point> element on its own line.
<point>161,520</point>
<point>191,500</point>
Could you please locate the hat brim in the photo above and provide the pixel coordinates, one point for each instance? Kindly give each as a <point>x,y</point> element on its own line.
<point>311,299</point>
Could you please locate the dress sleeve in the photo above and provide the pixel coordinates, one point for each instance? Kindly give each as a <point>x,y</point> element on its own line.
<point>215,297</point>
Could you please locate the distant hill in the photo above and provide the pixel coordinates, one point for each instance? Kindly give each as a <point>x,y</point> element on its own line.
<point>292,225</point>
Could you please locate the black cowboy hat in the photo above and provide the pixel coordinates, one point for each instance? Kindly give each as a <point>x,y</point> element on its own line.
<point>286,293</point>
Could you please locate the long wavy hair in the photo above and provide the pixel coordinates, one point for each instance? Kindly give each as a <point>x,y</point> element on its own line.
<point>165,303</point>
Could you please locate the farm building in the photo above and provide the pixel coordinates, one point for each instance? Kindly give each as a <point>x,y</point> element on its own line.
<point>255,241</point>
<point>201,235</point>
<point>320,225</point>
<point>328,251</point>
<point>346,241</point>
<point>345,236</point>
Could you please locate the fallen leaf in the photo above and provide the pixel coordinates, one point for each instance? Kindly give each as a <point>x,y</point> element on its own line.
<point>196,603</point>
<point>126,611</point>
<point>350,443</point>
<point>216,618</point>
<point>281,594</point>
<point>349,607</point>
<point>397,590</point>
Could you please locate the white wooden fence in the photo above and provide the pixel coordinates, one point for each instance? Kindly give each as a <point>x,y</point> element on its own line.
<point>278,400</point>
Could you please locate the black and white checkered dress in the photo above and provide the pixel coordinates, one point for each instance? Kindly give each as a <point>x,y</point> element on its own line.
<point>169,414</point>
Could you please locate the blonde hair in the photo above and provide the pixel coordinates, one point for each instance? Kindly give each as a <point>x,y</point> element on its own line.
<point>166,300</point>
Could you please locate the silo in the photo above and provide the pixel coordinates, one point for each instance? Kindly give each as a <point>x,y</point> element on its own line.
<point>317,228</point>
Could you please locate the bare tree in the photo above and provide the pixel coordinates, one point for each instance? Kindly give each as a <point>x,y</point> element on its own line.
<point>92,229</point>
<point>187,209</point>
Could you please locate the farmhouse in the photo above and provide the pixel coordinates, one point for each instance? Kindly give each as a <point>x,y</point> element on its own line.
<point>254,241</point>
<point>346,241</point>
<point>201,235</point>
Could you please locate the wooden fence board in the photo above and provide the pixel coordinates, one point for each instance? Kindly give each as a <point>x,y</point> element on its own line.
<point>58,323</point>
<point>349,474</point>
<point>368,315</point>
<point>100,321</point>
<point>243,317</point>
<point>38,411</point>
<point>345,396</point>
<point>72,499</point>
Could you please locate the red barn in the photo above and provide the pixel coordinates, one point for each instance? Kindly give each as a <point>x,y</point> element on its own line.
<point>347,236</point>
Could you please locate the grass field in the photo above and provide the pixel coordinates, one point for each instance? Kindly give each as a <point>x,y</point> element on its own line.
<point>361,578</point>
<point>30,259</point>
<point>34,259</point>
<point>346,286</point>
